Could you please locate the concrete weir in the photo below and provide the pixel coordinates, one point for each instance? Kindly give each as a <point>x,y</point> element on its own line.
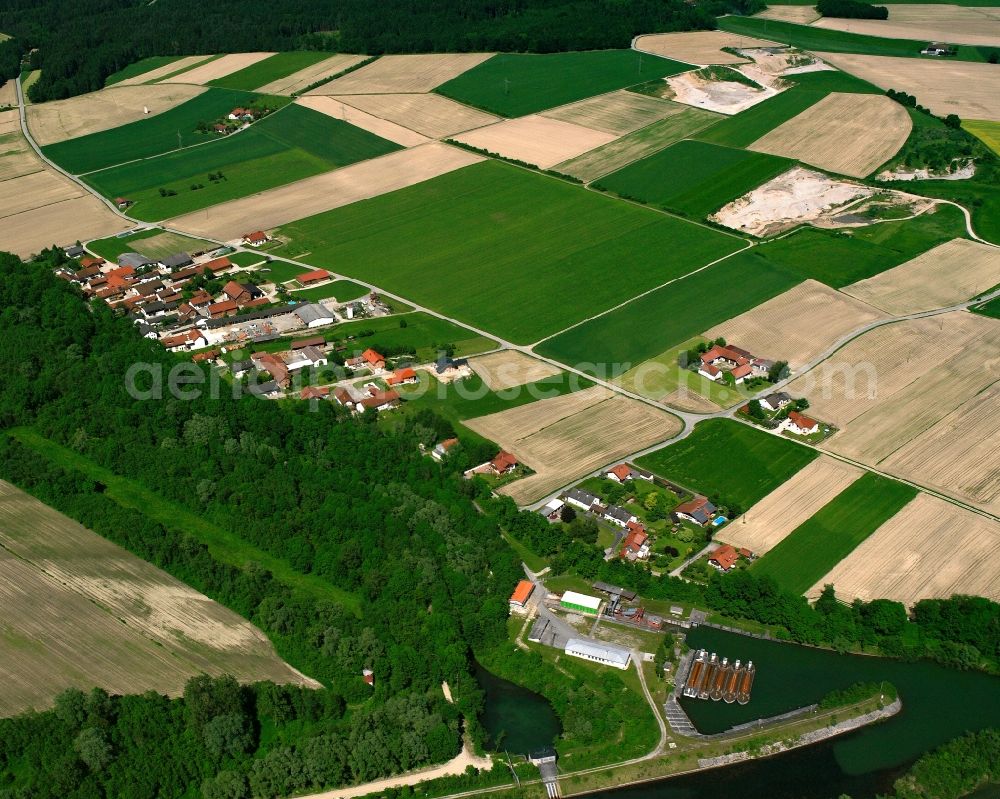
<point>546,762</point>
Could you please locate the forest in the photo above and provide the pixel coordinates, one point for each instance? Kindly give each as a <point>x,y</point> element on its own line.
<point>80,42</point>
<point>954,770</point>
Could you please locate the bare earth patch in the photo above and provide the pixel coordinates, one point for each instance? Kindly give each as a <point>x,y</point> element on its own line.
<point>930,549</point>
<point>10,122</point>
<point>852,134</point>
<point>82,612</point>
<point>219,68</point>
<point>721,96</point>
<point>275,207</point>
<point>167,69</point>
<point>429,114</point>
<point>393,74</point>
<point>297,81</point>
<point>932,22</point>
<point>109,108</point>
<point>698,47</point>
<point>768,522</point>
<point>965,88</point>
<point>800,15</point>
<point>8,93</point>
<point>509,368</point>
<point>536,140</point>
<point>685,400</point>
<point>373,124</point>
<point>798,325</point>
<point>16,157</point>
<point>617,113</point>
<point>946,275</point>
<point>564,438</point>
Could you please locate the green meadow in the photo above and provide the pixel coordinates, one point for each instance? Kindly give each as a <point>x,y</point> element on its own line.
<point>813,548</point>
<point>515,253</point>
<point>736,462</point>
<point>277,66</point>
<point>288,145</point>
<point>515,84</point>
<point>153,135</point>
<point>141,68</point>
<point>693,178</point>
<point>343,290</point>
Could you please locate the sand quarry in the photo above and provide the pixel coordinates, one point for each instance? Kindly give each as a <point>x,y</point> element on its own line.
<point>772,519</point>
<point>82,612</point>
<point>564,438</point>
<point>270,209</point>
<point>109,108</point>
<point>930,549</point>
<point>965,88</point>
<point>698,47</point>
<point>946,275</point>
<point>798,325</point>
<point>721,96</point>
<point>932,22</point>
<point>401,74</point>
<point>509,368</point>
<point>850,134</point>
<point>297,81</point>
<point>219,68</point>
<point>380,127</point>
<point>428,114</point>
<point>536,140</point>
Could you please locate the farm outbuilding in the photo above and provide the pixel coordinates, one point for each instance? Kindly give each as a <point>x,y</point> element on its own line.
<point>581,603</point>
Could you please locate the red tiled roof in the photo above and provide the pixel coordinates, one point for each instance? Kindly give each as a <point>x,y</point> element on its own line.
<point>218,264</point>
<point>742,370</point>
<point>401,376</point>
<point>88,261</point>
<point>257,236</point>
<point>312,341</point>
<point>522,591</point>
<point>709,369</point>
<point>379,398</point>
<point>635,526</point>
<point>448,443</point>
<point>503,461</point>
<point>224,307</point>
<point>691,505</point>
<point>803,422</point>
<point>314,392</point>
<point>635,540</point>
<point>372,357</point>
<point>188,337</point>
<point>726,556</point>
<point>621,471</point>
<point>314,276</point>
<point>208,355</point>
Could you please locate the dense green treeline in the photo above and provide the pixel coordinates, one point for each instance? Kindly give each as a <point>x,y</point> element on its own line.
<point>956,769</point>
<point>81,42</point>
<point>342,499</point>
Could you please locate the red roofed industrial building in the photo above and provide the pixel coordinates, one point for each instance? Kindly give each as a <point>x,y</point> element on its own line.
<point>313,277</point>
<point>522,593</point>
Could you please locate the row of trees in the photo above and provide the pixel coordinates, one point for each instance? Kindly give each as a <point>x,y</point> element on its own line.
<point>851,9</point>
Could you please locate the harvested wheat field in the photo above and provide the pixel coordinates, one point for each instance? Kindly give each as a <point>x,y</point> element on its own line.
<point>167,69</point>
<point>333,107</point>
<point>930,549</point>
<point>945,87</point>
<point>800,15</point>
<point>767,523</point>
<point>81,612</point>
<point>219,68</point>
<point>10,122</point>
<point>684,399</point>
<point>698,47</point>
<point>429,114</point>
<point>932,22</point>
<point>509,368</point>
<point>890,385</point>
<point>395,74</point>
<point>617,113</point>
<point>16,157</point>
<point>852,134</point>
<point>269,209</point>
<point>297,81</point>
<point>566,437</point>
<point>946,275</point>
<point>8,93</point>
<point>797,326</point>
<point>960,455</point>
<point>88,113</point>
<point>536,140</point>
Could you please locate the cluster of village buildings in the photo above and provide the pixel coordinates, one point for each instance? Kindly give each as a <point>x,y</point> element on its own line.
<point>739,363</point>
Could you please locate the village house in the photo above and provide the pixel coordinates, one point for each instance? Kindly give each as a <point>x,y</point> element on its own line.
<point>314,392</point>
<point>503,463</point>
<point>268,390</point>
<point>178,260</point>
<point>189,339</point>
<point>256,239</point>
<point>582,499</point>
<point>344,397</point>
<point>316,276</point>
<point>452,368</point>
<point>380,401</point>
<point>775,401</point>
<point>74,251</point>
<point>242,293</point>
<point>240,114</point>
<point>240,368</point>
<point>799,424</point>
<point>401,377</point>
<point>218,266</point>
<point>636,544</point>
<point>217,310</point>
<point>623,472</point>
<point>740,363</point>
<point>698,510</point>
<point>123,203</point>
<point>273,365</point>
<point>443,448</point>
<point>206,355</point>
<point>724,558</point>
<point>373,359</point>
<point>619,516</point>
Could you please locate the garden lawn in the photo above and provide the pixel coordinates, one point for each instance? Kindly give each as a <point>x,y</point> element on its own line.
<point>735,462</point>
<point>141,68</point>
<point>280,65</point>
<point>151,136</point>
<point>833,41</point>
<point>612,344</point>
<point>277,271</point>
<point>515,84</point>
<point>693,178</point>
<point>515,253</point>
<point>839,258</point>
<point>289,145</point>
<point>343,290</point>
<point>813,548</point>
<point>165,244</point>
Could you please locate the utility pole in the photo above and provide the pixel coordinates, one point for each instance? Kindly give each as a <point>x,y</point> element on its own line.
<point>506,86</point>
<point>179,145</point>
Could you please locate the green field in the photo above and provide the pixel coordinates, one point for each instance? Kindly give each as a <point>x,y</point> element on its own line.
<point>343,290</point>
<point>813,548</point>
<point>289,145</point>
<point>515,253</point>
<point>282,271</point>
<point>832,41</point>
<point>141,68</point>
<point>515,84</point>
<point>151,136</point>
<point>734,461</point>
<point>280,65</point>
<point>693,178</point>
<point>980,197</point>
<point>153,243</point>
<point>987,132</point>
<point>651,325</point>
<point>839,258</point>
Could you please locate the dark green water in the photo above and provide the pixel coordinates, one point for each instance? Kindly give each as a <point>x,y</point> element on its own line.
<point>516,719</point>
